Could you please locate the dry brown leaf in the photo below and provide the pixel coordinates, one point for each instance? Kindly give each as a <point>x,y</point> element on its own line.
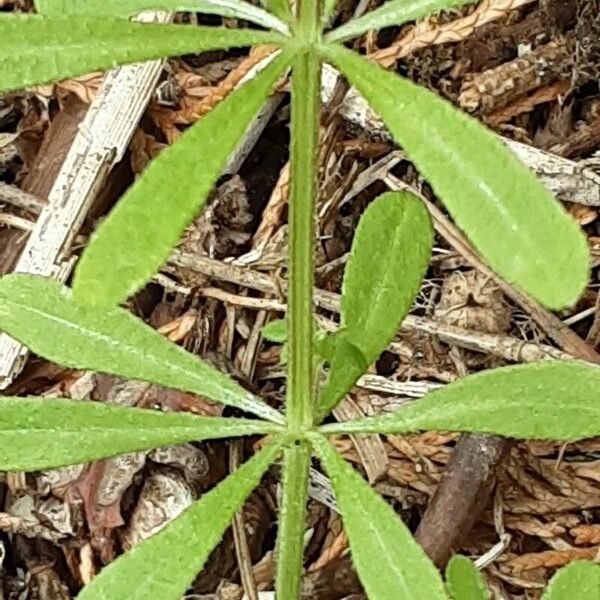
<point>551,559</point>
<point>586,534</point>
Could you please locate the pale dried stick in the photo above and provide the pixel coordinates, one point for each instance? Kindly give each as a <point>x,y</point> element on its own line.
<point>15,196</point>
<point>240,538</point>
<point>101,143</point>
<point>423,35</point>
<point>501,345</point>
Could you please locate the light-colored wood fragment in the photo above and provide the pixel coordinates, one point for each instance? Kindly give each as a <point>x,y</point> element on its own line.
<point>370,448</point>
<point>101,142</point>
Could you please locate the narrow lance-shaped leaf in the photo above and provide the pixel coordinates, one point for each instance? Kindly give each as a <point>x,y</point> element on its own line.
<point>389,257</point>
<point>37,49</point>
<point>329,7</point>
<point>580,579</point>
<point>280,8</point>
<point>464,581</point>
<point>508,215</point>
<point>238,9</point>
<point>165,565</point>
<point>393,12</point>
<point>38,434</point>
<point>389,562</point>
<point>138,235</point>
<point>543,401</point>
<point>42,314</point>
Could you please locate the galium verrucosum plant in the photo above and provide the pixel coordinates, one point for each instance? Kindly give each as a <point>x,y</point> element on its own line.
<point>505,212</point>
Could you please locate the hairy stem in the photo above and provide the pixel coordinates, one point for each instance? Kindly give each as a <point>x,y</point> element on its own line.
<point>290,534</point>
<point>305,129</point>
<point>301,388</point>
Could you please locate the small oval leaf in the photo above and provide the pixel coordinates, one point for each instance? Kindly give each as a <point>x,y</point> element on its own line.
<point>275,331</point>
<point>464,581</point>
<point>390,563</point>
<point>164,566</point>
<point>42,314</point>
<point>580,579</point>
<point>542,401</point>
<point>139,234</point>
<point>346,365</point>
<point>37,49</point>
<point>389,257</point>
<point>37,433</point>
<point>394,12</point>
<point>237,9</point>
<point>523,233</point>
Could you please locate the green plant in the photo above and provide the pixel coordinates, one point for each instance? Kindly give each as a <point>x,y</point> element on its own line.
<point>506,213</point>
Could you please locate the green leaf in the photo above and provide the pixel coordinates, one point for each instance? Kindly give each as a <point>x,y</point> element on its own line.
<point>280,8</point>
<point>542,401</point>
<point>346,365</point>
<point>36,49</point>
<point>580,579</point>
<point>390,563</point>
<point>275,331</point>
<point>38,434</point>
<point>42,314</point>
<point>464,581</point>
<point>394,12</point>
<point>389,257</point>
<point>164,566</point>
<point>508,215</point>
<point>329,7</point>
<point>238,9</point>
<point>139,234</point>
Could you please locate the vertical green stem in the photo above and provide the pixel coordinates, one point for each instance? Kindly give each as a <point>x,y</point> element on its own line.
<point>292,520</point>
<point>304,151</point>
<point>300,402</point>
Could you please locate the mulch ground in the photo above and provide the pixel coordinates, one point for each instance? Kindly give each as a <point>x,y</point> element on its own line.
<point>528,69</point>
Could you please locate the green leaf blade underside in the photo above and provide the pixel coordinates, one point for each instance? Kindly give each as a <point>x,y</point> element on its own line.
<point>543,401</point>
<point>280,8</point>
<point>165,565</point>
<point>43,315</point>
<point>389,257</point>
<point>329,7</point>
<point>238,9</point>
<point>507,214</point>
<point>580,579</point>
<point>275,331</point>
<point>36,49</point>
<point>394,12</point>
<point>39,434</point>
<point>389,562</point>
<point>346,366</point>
<point>464,581</point>
<point>139,234</point>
